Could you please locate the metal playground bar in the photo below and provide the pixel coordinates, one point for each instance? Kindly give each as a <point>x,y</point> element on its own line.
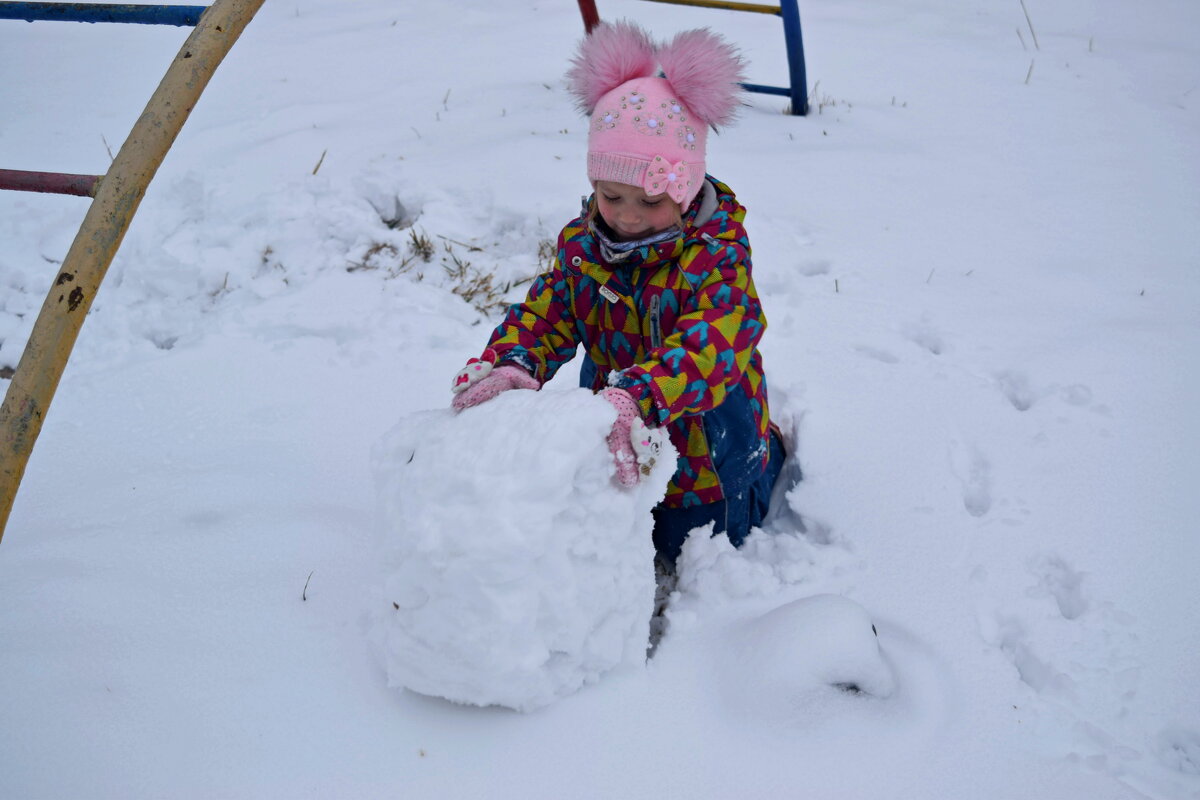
<point>797,89</point>
<point>116,196</point>
<point>183,16</point>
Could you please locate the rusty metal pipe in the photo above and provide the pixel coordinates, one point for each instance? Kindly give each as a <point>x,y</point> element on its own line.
<point>591,17</point>
<point>20,180</point>
<point>117,198</point>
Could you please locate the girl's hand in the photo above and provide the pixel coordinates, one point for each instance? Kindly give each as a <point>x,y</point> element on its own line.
<point>635,447</point>
<point>479,381</point>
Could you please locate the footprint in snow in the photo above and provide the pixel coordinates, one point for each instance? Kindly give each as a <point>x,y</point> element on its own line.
<point>814,267</point>
<point>1081,396</point>
<point>1077,395</point>
<point>1014,385</point>
<point>1179,749</point>
<point>926,336</point>
<point>1079,659</point>
<point>1065,585</point>
<point>876,354</point>
<point>974,474</point>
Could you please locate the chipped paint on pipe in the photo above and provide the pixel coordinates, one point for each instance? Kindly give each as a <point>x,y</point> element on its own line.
<point>117,198</point>
<point>180,16</point>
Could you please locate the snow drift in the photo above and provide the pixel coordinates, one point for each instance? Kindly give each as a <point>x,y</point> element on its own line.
<point>515,569</point>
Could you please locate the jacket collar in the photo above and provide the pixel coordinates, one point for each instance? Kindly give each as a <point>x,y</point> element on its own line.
<point>660,247</point>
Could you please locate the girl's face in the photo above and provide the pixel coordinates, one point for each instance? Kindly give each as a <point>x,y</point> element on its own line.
<point>631,213</point>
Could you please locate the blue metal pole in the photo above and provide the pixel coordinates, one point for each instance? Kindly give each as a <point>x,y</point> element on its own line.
<point>100,12</point>
<point>760,89</point>
<point>794,40</point>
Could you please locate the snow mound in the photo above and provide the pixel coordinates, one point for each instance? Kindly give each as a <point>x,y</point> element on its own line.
<point>714,576</point>
<point>806,647</point>
<point>515,569</point>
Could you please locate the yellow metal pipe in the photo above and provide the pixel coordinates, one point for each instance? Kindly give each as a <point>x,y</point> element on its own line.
<point>28,398</point>
<point>729,6</point>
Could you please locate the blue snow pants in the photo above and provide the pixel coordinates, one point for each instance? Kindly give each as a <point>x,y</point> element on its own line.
<point>735,448</point>
<point>741,510</point>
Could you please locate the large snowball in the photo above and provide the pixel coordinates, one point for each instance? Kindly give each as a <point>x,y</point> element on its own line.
<point>515,568</point>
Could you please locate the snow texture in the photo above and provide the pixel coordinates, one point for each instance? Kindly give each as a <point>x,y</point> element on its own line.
<point>977,256</point>
<point>516,569</point>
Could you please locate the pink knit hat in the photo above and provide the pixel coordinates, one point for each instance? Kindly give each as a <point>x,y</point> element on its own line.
<point>650,131</point>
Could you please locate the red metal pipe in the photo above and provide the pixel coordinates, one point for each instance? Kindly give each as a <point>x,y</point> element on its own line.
<point>591,17</point>
<point>50,182</point>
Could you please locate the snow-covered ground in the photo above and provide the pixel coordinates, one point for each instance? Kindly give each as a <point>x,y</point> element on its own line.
<point>978,258</point>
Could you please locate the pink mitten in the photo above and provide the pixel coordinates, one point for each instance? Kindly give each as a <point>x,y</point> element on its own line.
<point>479,382</point>
<point>634,446</point>
<point>476,370</point>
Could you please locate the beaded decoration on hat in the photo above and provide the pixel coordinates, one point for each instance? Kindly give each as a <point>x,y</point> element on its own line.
<point>646,130</point>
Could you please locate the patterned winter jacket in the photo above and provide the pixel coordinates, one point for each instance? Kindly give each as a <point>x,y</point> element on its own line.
<point>677,324</point>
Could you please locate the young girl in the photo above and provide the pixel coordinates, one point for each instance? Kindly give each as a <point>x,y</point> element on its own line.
<point>653,279</point>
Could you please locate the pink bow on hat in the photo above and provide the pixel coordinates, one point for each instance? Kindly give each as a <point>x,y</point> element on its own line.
<point>663,176</point>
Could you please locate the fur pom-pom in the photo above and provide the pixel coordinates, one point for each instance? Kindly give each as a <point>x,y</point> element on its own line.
<point>705,71</point>
<point>609,56</point>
